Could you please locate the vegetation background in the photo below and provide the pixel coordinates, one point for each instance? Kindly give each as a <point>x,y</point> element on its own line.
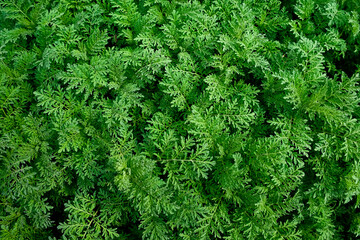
<point>157,119</point>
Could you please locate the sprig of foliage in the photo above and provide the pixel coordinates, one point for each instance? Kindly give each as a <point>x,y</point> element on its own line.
<point>179,119</point>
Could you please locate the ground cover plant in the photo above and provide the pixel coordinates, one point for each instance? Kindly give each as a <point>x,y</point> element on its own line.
<point>157,119</point>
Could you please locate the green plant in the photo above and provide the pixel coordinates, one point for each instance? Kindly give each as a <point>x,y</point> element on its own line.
<point>157,119</point>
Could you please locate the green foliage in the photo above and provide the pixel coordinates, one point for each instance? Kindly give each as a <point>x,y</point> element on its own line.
<point>181,119</point>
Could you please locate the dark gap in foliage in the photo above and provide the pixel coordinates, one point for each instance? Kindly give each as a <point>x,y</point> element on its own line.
<point>289,6</point>
<point>309,177</point>
<point>288,216</point>
<point>345,218</point>
<point>131,230</point>
<point>349,65</point>
<point>58,212</point>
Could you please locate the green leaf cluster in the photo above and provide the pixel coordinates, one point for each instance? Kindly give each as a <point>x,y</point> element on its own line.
<point>183,119</point>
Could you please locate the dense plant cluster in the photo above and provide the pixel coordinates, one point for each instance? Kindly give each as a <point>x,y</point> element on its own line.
<point>159,119</point>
